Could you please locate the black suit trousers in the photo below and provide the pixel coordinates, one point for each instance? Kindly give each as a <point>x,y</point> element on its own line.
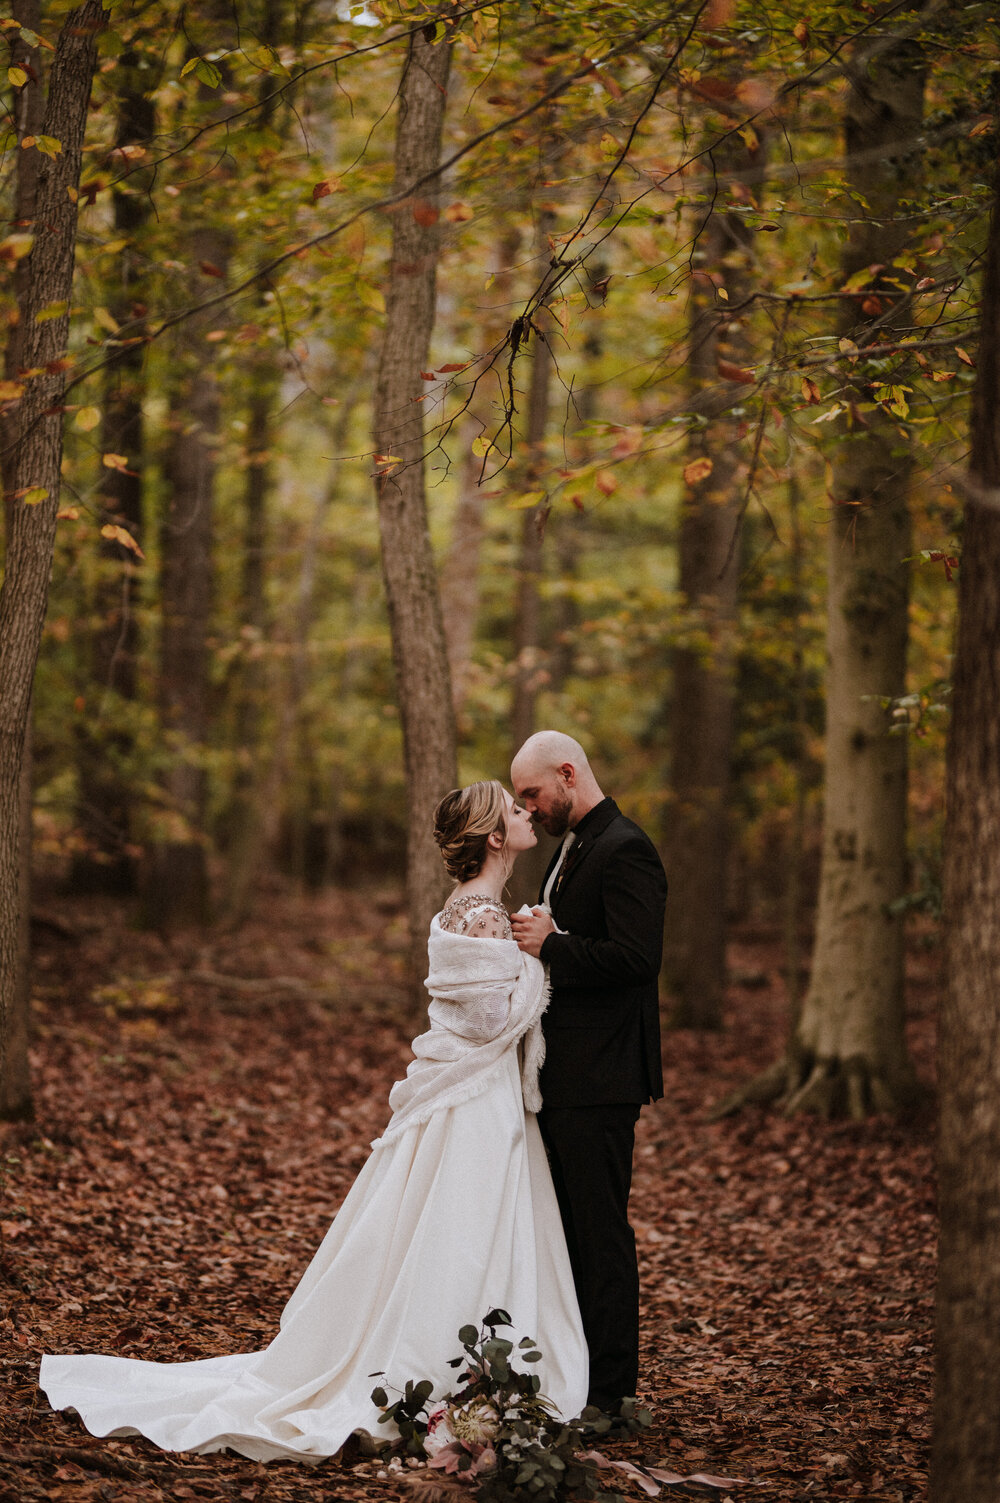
<point>590,1155</point>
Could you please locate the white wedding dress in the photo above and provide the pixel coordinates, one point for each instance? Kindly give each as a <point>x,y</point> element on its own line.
<point>453,1214</point>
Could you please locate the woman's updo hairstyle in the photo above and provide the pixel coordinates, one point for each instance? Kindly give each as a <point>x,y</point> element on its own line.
<point>464,820</point>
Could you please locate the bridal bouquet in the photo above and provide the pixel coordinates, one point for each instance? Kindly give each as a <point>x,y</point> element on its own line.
<point>497,1436</point>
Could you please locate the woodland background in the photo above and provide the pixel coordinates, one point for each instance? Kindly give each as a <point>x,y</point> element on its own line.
<point>384,382</point>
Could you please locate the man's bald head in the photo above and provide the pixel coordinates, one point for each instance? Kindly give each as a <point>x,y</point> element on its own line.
<point>553,779</point>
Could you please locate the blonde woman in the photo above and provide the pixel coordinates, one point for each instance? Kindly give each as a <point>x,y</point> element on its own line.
<point>453,1214</point>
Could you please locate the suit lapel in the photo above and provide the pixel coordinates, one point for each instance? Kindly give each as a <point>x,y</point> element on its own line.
<point>583,845</point>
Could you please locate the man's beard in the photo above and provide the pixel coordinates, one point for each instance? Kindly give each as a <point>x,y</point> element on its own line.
<point>556,819</point>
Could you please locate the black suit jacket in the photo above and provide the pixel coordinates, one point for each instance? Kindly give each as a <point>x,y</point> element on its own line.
<point>602,1025</point>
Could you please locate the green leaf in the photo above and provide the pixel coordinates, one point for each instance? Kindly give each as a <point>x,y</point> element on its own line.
<point>34,494</point>
<point>52,310</point>
<point>467,1335</point>
<point>380,1398</point>
<point>207,73</point>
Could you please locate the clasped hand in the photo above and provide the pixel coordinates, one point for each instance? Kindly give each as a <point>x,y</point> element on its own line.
<point>532,929</point>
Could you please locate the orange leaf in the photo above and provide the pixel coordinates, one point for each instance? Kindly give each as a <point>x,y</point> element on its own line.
<point>321,190</point>
<point>810,391</point>
<point>697,470</point>
<point>964,356</point>
<point>461,365</point>
<point>458,213</point>
<point>730,372</point>
<point>427,376</point>
<point>605,482</point>
<point>123,536</point>
<point>210,269</point>
<point>425,213</point>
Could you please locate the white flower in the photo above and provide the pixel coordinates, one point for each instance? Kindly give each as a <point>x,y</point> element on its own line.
<point>476,1424</point>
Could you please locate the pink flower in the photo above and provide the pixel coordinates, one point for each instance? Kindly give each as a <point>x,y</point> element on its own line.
<point>483,1459</point>
<point>439,1432</point>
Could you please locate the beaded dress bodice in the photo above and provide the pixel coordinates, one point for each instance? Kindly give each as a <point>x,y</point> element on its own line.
<point>475,913</point>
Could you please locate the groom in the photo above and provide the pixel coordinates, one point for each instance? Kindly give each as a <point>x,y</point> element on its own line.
<point>599,929</point>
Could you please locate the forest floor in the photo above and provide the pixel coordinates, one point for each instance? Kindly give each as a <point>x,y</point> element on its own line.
<point>195,1132</point>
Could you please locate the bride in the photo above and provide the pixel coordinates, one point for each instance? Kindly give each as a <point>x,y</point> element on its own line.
<point>453,1214</point>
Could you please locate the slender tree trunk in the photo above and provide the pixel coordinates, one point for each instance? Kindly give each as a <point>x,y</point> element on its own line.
<point>31,477</point>
<point>419,653</point>
<point>966,1448</point>
<point>528,669</point>
<point>697,834</point>
<point>848,1051</point>
<point>15,1072</point>
<point>460,578</point>
<point>104,742</point>
<point>176,880</point>
<point>245,822</point>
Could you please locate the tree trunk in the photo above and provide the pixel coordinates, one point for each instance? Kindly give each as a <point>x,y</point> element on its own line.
<point>528,670</point>
<point>697,833</point>
<point>418,646</point>
<point>31,474</point>
<point>176,879</point>
<point>848,1052</point>
<point>460,579</point>
<point>104,741</point>
<point>966,1448</point>
<point>244,820</point>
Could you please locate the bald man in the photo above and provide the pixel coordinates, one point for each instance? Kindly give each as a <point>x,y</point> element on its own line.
<point>599,929</point>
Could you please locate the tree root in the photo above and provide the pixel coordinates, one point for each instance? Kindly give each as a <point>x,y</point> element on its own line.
<point>829,1087</point>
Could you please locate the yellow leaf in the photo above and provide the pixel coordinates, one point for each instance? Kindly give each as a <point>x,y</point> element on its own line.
<point>697,470</point>
<point>371,297</point>
<point>17,78</point>
<point>721,292</point>
<point>115,462</point>
<point>525,501</point>
<point>87,419</point>
<point>106,320</point>
<point>10,391</point>
<point>481,446</point>
<point>16,247</point>
<point>34,494</point>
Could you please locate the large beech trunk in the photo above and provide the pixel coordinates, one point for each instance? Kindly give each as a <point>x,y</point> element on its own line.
<point>966,1449</point>
<point>418,644</point>
<point>104,741</point>
<point>697,831</point>
<point>33,454</point>
<point>848,1052</point>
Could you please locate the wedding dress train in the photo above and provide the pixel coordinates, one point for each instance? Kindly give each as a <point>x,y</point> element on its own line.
<point>452,1215</point>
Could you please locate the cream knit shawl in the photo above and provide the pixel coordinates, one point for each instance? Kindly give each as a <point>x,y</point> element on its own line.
<point>486,995</point>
